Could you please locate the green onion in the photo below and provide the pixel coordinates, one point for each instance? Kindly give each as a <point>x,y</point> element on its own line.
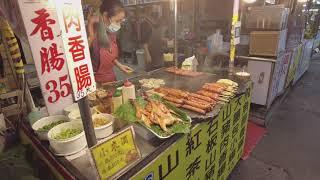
<point>67,134</point>
<point>47,128</point>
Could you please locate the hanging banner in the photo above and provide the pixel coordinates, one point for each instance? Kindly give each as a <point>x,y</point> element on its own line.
<point>304,62</point>
<point>295,60</point>
<point>76,46</point>
<point>283,71</point>
<point>279,77</point>
<point>44,36</point>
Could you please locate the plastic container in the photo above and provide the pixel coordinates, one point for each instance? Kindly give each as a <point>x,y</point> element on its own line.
<point>71,108</point>
<point>35,115</point>
<point>68,146</point>
<point>117,100</point>
<point>267,18</point>
<point>46,121</point>
<point>128,91</point>
<point>141,59</point>
<point>75,115</point>
<point>106,130</point>
<point>215,42</point>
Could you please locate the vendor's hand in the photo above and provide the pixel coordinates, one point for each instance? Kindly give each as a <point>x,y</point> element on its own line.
<point>92,19</point>
<point>126,69</point>
<point>148,59</point>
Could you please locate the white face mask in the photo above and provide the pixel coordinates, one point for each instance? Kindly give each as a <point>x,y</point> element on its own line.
<point>113,27</point>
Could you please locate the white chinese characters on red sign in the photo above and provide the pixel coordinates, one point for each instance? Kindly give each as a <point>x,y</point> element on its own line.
<point>42,28</point>
<point>76,47</point>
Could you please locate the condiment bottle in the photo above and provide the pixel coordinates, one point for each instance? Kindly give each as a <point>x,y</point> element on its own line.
<point>128,91</point>
<point>116,100</point>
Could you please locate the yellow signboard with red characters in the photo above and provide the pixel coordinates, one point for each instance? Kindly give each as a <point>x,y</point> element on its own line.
<point>111,156</point>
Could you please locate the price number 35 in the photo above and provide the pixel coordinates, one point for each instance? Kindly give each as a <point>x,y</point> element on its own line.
<point>58,90</point>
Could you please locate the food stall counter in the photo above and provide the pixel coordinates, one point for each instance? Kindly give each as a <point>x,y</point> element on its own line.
<point>211,149</point>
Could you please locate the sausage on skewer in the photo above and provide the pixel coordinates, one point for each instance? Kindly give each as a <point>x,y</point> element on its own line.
<point>211,95</point>
<point>191,108</point>
<point>172,92</point>
<point>212,89</point>
<point>173,99</point>
<point>205,98</point>
<point>176,105</point>
<point>198,105</point>
<point>190,98</point>
<point>221,86</point>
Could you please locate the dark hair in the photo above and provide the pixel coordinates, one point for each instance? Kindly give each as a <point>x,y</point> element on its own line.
<point>112,7</point>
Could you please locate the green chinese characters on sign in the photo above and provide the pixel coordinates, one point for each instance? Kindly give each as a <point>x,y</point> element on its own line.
<point>209,152</point>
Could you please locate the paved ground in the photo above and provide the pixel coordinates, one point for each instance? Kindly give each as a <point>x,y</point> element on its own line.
<point>291,149</point>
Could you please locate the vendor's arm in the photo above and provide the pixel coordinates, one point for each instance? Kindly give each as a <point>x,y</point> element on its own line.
<point>145,37</point>
<point>123,68</point>
<point>92,20</point>
<point>147,52</point>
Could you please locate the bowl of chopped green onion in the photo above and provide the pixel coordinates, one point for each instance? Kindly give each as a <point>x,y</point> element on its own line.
<point>44,125</point>
<point>67,138</point>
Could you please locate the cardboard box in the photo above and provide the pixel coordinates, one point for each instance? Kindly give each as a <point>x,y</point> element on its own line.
<point>267,43</point>
<point>287,3</point>
<point>273,18</point>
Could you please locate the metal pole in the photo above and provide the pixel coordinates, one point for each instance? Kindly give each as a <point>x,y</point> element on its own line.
<point>176,33</point>
<point>87,121</point>
<point>235,18</point>
<point>195,13</point>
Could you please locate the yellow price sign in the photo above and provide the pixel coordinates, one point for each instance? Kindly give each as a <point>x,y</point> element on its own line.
<point>116,153</point>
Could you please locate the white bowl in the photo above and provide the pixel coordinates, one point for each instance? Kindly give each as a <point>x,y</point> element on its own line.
<point>68,146</point>
<point>71,108</point>
<point>46,121</point>
<point>75,115</point>
<point>106,130</point>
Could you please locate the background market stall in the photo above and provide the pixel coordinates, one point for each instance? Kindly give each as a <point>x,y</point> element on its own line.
<point>277,46</point>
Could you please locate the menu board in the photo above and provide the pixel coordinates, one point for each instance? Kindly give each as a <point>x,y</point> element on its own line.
<point>44,36</point>
<point>118,152</point>
<point>76,46</point>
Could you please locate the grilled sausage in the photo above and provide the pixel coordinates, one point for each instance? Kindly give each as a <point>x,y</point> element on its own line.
<point>173,99</point>
<point>211,95</point>
<point>191,98</point>
<point>205,98</point>
<point>176,105</point>
<point>198,105</point>
<point>191,108</point>
<point>213,88</point>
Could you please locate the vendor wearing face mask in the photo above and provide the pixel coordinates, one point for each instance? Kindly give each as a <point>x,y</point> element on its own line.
<point>103,41</point>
